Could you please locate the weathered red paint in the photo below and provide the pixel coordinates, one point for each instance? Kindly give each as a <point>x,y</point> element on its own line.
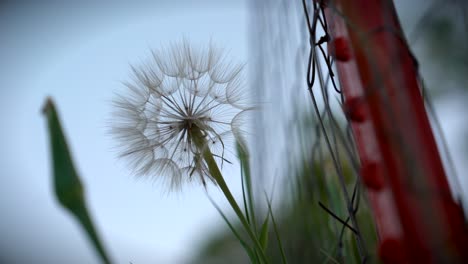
<point>429,225</point>
<point>339,48</point>
<point>371,173</point>
<point>379,194</point>
<point>392,251</point>
<point>355,109</point>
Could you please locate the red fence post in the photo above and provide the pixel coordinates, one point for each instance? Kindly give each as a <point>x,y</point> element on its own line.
<point>378,192</point>
<point>416,216</point>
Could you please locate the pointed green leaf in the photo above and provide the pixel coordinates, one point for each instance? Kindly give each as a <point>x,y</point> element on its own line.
<point>264,233</point>
<point>243,155</point>
<point>275,229</point>
<point>244,197</point>
<point>68,188</point>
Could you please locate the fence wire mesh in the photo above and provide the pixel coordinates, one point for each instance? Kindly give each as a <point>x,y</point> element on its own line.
<point>313,148</point>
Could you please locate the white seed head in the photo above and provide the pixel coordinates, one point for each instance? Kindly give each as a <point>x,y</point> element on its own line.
<point>179,89</point>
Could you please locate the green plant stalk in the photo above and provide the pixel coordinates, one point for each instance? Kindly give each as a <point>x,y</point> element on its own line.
<point>69,190</point>
<point>245,170</point>
<point>200,142</point>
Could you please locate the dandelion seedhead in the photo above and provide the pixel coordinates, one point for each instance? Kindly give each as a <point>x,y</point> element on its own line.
<point>180,97</point>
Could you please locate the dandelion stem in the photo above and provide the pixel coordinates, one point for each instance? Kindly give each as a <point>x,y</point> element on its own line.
<point>200,142</point>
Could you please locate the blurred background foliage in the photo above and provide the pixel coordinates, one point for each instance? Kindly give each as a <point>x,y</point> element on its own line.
<point>437,32</point>
<point>440,41</point>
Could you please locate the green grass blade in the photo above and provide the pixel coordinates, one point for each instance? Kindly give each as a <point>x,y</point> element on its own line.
<point>249,250</point>
<point>264,233</point>
<point>275,229</point>
<point>68,188</point>
<point>329,257</point>
<point>213,168</point>
<point>244,196</point>
<point>243,155</point>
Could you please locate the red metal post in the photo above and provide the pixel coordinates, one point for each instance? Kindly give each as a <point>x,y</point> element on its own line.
<point>357,110</point>
<point>417,218</point>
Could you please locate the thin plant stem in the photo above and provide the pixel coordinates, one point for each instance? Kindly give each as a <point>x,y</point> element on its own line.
<point>200,142</point>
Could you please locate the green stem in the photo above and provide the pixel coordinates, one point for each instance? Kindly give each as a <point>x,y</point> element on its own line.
<point>200,142</point>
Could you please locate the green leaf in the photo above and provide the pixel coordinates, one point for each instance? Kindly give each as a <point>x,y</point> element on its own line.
<point>275,228</point>
<point>244,197</point>
<point>264,233</point>
<point>69,190</point>
<point>247,192</point>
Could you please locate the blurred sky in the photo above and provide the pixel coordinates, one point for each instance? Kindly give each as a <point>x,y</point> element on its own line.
<point>78,53</point>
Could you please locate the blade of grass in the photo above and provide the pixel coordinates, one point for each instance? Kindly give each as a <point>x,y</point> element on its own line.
<point>69,190</point>
<point>249,250</point>
<point>275,229</point>
<point>243,155</point>
<point>329,257</point>
<point>264,233</point>
<point>216,174</point>
<point>200,143</point>
<point>244,196</point>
